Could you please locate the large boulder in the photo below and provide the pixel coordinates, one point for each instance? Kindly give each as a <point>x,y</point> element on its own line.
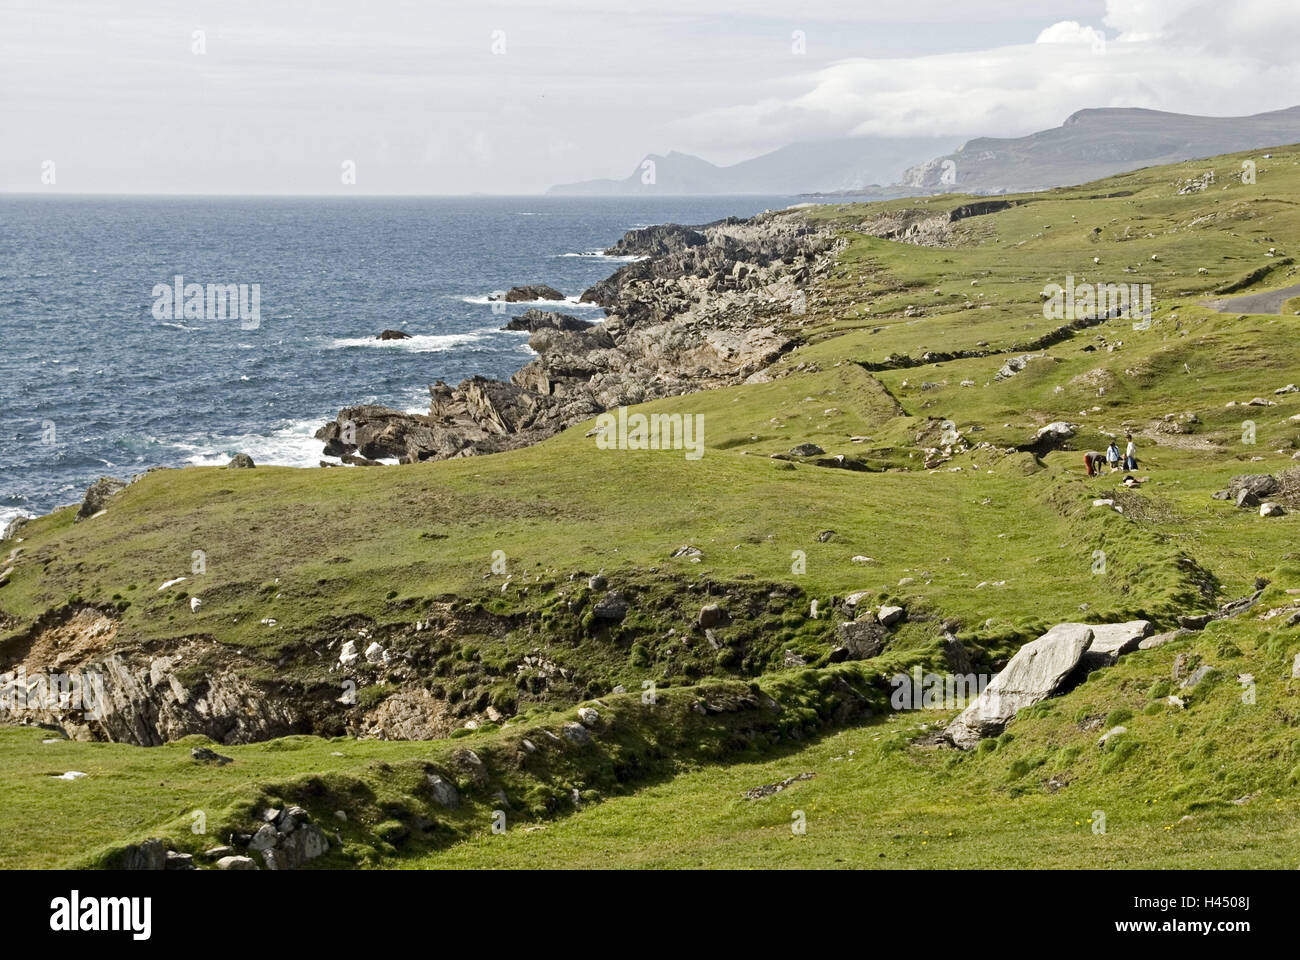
<point>1110,641</point>
<point>1033,674</point>
<point>527,292</point>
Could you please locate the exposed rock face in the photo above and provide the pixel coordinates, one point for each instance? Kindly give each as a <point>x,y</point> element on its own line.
<point>393,335</point>
<point>1033,674</point>
<point>706,307</point>
<point>1110,641</point>
<point>130,696</point>
<point>97,495</point>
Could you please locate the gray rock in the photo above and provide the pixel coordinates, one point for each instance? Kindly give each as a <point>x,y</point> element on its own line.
<point>179,861</point>
<point>576,734</point>
<point>216,853</point>
<point>588,716</point>
<point>241,461</point>
<point>598,582</point>
<point>861,638</point>
<point>97,496</point>
<point>264,839</point>
<point>613,606</point>
<point>806,450</point>
<point>444,792</point>
<point>1110,641</point>
<point>1033,674</point>
<point>205,755</point>
<point>236,863</point>
<point>146,855</point>
<point>1271,510</point>
<point>890,615</point>
<point>712,615</point>
<point>306,843</point>
<point>1199,674</point>
<point>1295,668</point>
<point>469,763</point>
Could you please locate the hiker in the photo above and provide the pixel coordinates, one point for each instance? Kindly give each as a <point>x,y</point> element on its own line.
<point>1130,454</point>
<point>1112,456</point>
<point>1093,462</point>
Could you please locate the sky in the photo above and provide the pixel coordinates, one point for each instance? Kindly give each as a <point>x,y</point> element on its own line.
<point>511,96</point>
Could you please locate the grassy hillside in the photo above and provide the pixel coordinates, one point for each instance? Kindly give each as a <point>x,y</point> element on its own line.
<point>993,542</point>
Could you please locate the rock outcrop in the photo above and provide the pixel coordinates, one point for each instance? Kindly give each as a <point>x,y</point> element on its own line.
<point>703,307</point>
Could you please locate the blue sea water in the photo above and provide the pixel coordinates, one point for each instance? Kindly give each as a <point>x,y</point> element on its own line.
<point>92,382</point>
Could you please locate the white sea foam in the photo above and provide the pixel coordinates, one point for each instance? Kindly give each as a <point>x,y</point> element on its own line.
<point>419,343</point>
<point>7,514</point>
<point>292,445</point>
<point>602,255</point>
<point>569,303</point>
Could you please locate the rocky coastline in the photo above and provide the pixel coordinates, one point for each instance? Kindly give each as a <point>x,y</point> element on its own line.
<point>701,307</point>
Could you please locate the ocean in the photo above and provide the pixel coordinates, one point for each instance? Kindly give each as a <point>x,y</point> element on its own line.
<point>99,375</point>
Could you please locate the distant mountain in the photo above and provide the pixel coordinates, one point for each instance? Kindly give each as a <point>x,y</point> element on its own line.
<point>850,164</point>
<point>1093,144</point>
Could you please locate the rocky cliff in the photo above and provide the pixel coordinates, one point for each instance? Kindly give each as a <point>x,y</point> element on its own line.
<point>703,307</point>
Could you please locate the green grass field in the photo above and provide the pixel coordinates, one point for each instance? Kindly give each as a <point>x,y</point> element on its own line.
<point>996,542</point>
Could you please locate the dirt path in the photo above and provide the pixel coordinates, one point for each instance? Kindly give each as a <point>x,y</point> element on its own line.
<point>1270,301</point>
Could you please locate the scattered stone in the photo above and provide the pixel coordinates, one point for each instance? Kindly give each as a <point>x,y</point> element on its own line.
<point>179,861</point>
<point>1271,510</point>
<point>1199,674</point>
<point>588,716</point>
<point>264,839</point>
<point>444,791</point>
<point>375,653</point>
<point>712,615</point>
<point>576,734</point>
<point>890,615</point>
<point>757,793</point>
<point>348,655</point>
<point>241,461</point>
<point>1112,732</point>
<point>236,863</point>
<point>598,582</point>
<point>205,755</point>
<point>612,606</point>
<point>146,855</point>
<point>861,639</point>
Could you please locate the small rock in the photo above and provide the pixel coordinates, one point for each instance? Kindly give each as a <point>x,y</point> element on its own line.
<point>241,461</point>
<point>1112,732</point>
<point>890,615</point>
<point>576,734</point>
<point>444,791</point>
<point>588,716</point>
<point>236,863</point>
<point>712,615</point>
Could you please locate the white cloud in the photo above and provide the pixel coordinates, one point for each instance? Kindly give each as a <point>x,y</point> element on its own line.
<point>1181,55</point>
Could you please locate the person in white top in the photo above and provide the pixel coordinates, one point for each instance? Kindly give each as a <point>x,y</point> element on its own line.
<point>1130,455</point>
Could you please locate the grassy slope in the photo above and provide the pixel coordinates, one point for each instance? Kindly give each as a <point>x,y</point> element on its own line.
<point>422,531</point>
